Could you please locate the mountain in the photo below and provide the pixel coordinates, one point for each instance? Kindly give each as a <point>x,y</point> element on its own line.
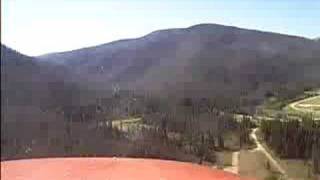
<point>202,60</point>
<point>30,87</point>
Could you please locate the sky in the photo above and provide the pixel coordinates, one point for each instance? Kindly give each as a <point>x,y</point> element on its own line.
<point>35,27</point>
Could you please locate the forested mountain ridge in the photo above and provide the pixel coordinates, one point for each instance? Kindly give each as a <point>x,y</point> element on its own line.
<point>207,58</point>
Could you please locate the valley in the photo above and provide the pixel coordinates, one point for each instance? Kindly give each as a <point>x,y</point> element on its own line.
<point>239,100</point>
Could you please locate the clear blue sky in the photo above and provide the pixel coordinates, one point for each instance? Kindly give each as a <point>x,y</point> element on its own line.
<point>34,27</point>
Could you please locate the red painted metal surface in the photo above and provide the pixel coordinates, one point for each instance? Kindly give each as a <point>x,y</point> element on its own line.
<point>108,169</point>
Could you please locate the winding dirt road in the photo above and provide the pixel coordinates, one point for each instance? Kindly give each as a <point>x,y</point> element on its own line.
<point>259,147</point>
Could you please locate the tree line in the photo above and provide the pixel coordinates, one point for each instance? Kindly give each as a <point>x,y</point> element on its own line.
<point>297,139</point>
<point>182,129</point>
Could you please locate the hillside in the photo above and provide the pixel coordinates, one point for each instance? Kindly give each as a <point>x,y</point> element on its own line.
<point>206,59</point>
<point>30,88</point>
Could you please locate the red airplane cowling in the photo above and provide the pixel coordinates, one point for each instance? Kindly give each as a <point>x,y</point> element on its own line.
<point>108,169</point>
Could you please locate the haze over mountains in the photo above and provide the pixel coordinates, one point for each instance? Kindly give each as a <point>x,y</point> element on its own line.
<point>203,60</point>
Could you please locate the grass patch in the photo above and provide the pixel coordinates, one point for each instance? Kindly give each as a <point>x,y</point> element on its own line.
<point>126,121</point>
<point>311,106</point>
<point>276,108</point>
<point>126,124</point>
<point>314,101</point>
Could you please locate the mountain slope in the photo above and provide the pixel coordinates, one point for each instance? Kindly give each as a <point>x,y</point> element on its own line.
<point>206,58</point>
<point>29,88</point>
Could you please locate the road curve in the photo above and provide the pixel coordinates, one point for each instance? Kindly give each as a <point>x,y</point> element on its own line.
<point>294,104</point>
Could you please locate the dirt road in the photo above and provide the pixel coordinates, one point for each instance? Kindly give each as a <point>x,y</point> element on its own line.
<point>259,147</point>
